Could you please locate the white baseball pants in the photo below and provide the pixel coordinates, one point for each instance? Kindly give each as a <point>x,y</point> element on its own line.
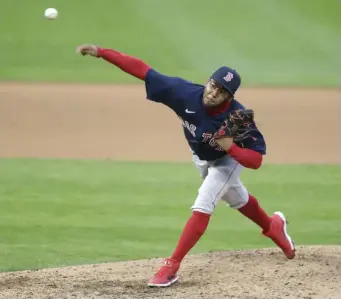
<point>221,181</point>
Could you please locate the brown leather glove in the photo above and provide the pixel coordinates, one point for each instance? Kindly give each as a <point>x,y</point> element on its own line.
<point>237,126</point>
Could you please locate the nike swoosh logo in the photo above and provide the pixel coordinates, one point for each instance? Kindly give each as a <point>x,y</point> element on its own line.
<point>188,111</point>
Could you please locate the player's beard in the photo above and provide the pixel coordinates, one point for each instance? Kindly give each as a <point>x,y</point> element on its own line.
<point>212,99</point>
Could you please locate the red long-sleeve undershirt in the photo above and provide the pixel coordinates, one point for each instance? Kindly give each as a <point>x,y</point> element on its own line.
<point>137,68</point>
<point>245,156</point>
<point>126,63</point>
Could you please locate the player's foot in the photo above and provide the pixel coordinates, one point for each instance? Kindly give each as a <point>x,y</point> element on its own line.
<point>278,233</point>
<point>167,274</point>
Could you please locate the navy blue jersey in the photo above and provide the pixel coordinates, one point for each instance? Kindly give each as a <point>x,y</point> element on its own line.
<point>186,100</point>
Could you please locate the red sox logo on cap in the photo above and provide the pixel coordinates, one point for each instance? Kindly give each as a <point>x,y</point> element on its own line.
<point>228,77</point>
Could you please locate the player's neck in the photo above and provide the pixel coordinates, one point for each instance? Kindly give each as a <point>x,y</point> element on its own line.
<point>219,109</point>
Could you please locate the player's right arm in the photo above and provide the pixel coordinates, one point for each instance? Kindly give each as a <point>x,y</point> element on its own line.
<point>129,64</point>
<point>159,87</point>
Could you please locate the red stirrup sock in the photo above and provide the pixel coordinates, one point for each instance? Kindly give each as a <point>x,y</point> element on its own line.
<point>194,229</point>
<point>254,212</point>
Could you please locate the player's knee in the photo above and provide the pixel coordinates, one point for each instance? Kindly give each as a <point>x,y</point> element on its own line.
<point>237,204</point>
<point>205,203</point>
<point>236,201</point>
<point>237,196</point>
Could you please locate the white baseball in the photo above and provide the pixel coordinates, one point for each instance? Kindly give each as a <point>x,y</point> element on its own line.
<point>51,13</point>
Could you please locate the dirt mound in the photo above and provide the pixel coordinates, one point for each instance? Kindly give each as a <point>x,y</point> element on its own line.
<point>315,273</point>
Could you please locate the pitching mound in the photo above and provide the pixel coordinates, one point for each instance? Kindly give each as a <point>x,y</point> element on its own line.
<point>315,273</point>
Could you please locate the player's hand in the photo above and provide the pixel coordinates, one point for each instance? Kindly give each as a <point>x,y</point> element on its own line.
<point>225,142</point>
<point>87,49</point>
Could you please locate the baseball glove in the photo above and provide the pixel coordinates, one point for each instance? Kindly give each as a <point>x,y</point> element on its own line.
<point>238,126</point>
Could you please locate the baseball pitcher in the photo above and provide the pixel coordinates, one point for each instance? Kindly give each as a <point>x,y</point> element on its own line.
<point>223,138</point>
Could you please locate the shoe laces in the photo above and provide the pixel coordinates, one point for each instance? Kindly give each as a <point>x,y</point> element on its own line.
<point>165,269</point>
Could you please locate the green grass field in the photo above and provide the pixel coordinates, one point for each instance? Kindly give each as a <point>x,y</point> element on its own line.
<point>271,42</point>
<point>60,212</point>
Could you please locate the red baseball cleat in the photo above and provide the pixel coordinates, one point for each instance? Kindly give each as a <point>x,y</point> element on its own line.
<point>167,274</point>
<point>278,233</point>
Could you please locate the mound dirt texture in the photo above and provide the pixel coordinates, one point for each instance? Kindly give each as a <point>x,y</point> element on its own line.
<point>83,121</point>
<point>263,274</point>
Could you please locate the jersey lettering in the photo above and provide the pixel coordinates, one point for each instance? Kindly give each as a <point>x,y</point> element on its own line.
<point>184,98</point>
<point>207,138</point>
<point>190,127</point>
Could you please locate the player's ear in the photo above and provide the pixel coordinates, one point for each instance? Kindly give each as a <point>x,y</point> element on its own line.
<point>229,97</point>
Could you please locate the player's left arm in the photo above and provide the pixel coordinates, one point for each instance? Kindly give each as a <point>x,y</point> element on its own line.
<point>241,139</point>
<point>248,157</point>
